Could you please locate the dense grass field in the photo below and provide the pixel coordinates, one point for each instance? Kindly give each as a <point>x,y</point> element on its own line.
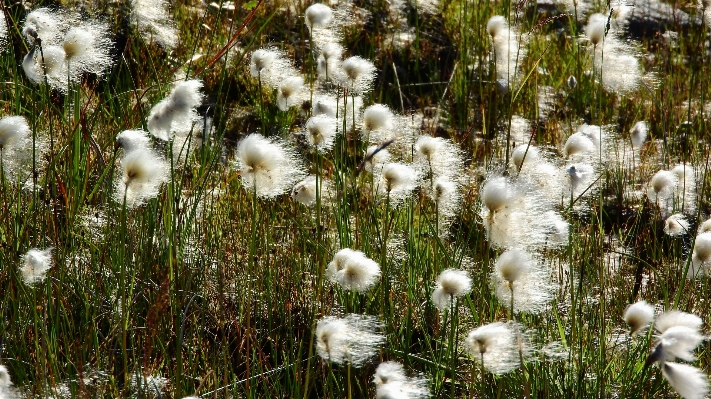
<point>275,199</point>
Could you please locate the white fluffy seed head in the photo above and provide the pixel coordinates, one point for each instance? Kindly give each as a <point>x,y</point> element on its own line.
<point>595,30</point>
<point>176,114</point>
<point>388,372</point>
<point>638,134</point>
<point>638,316</point>
<point>353,339</point>
<point>497,193</point>
<point>43,23</point>
<point>531,154</point>
<point>451,284</point>
<point>13,131</point>
<point>289,92</point>
<point>663,180</point>
<point>496,25</point>
<point>87,47</point>
<point>688,381</point>
<point>518,273</point>
<point>701,256</point>
<point>35,264</point>
<point>676,342</point>
<point>304,192</point>
<point>261,60</point>
<point>77,42</point>
<point>318,15</point>
<point>353,271</point>
<point>512,264</point>
<point>269,167</point>
<point>705,227</point>
<point>676,225</point>
<point>321,131</point>
<point>376,157</point>
<point>131,140</point>
<point>378,117</point>
<point>143,173</point>
<point>397,181</point>
<point>495,346</point>
<point>357,74</point>
<point>428,147</point>
<point>675,318</point>
<point>392,383</point>
<point>54,61</point>
<point>579,145</point>
<point>329,60</point>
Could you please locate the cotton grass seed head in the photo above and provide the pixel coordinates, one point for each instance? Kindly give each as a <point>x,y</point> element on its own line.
<point>318,16</point>
<point>595,29</point>
<point>142,173</point>
<point>497,193</point>
<point>353,271</point>
<point>525,153</point>
<point>396,181</point>
<point>451,284</point>
<point>304,192</point>
<point>329,61</point>
<point>496,26</point>
<point>375,158</point>
<point>35,264</point>
<point>290,92</point>
<point>518,273</point>
<point>705,226</point>
<point>43,23</point>
<point>579,146</point>
<point>388,372</point>
<point>353,339</point>
<point>320,132</point>
<point>495,346</point>
<point>378,117</point>
<point>688,381</point>
<point>701,256</point>
<point>674,318</point>
<point>676,225</point>
<point>357,75</point>
<point>176,114</point>
<point>269,167</point>
<point>638,134</point>
<point>154,22</point>
<point>87,49</point>
<point>392,383</point>
<point>131,140</point>
<point>638,316</point>
<point>676,342</point>
<point>14,131</point>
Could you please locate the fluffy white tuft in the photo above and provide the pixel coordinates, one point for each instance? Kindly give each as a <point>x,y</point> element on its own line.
<point>356,74</point>
<point>688,381</point>
<point>176,114</point>
<point>451,284</point>
<point>638,316</point>
<point>676,225</point>
<point>142,173</point>
<point>396,181</point>
<point>353,271</point>
<point>518,273</point>
<point>290,92</point>
<point>495,346</point>
<point>35,264</point>
<point>320,132</point>
<point>269,167</point>
<point>353,339</point>
<point>675,318</point>
<point>131,140</point>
